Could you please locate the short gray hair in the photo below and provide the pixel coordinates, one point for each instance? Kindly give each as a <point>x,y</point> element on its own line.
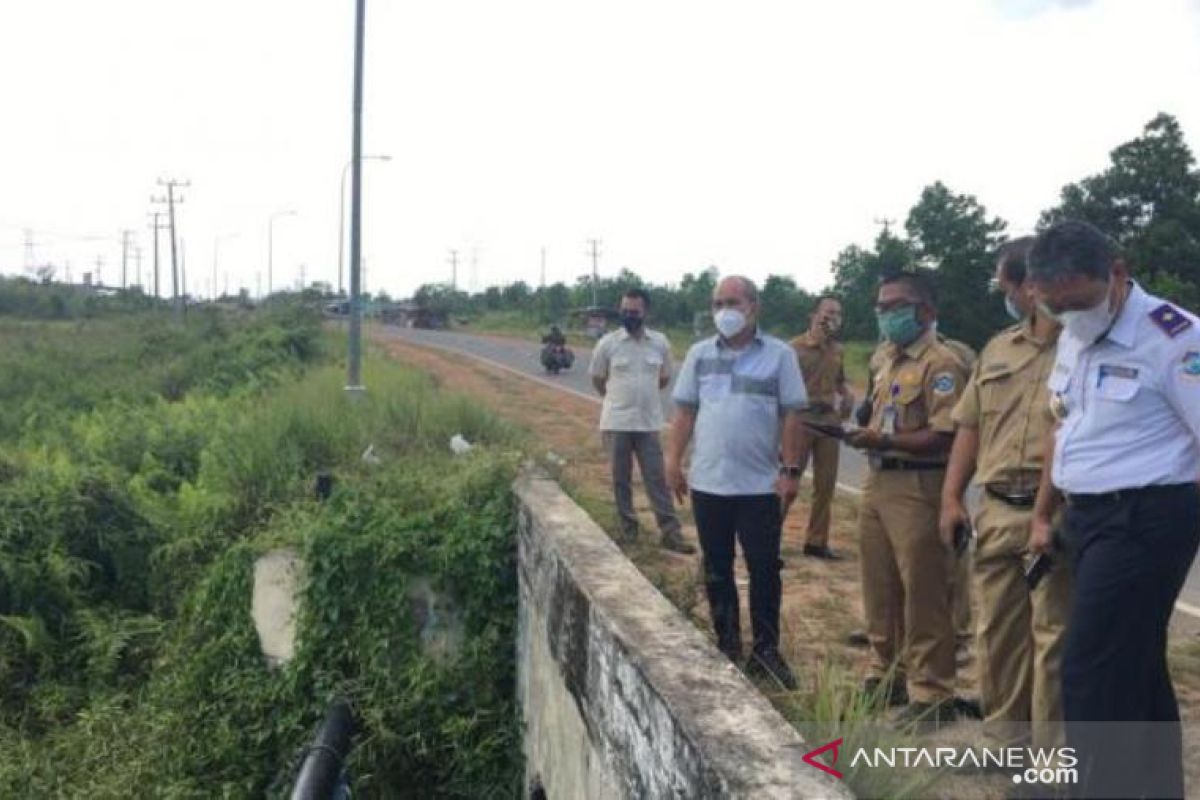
<point>748,287</point>
<point>1071,247</point>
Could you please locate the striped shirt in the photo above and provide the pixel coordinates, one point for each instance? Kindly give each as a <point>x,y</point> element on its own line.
<point>740,398</point>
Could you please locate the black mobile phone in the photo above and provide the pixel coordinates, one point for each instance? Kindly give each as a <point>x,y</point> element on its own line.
<point>962,538</point>
<point>1038,568</point>
<point>833,431</point>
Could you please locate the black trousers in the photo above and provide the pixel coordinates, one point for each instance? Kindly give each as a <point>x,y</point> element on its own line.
<point>1131,553</point>
<point>756,520</point>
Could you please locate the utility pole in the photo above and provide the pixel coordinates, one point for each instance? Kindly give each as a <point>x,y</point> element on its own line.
<point>354,383</point>
<point>543,268</point>
<point>137,266</point>
<point>125,234</point>
<point>99,271</point>
<point>454,270</point>
<point>155,227</point>
<point>594,251</point>
<point>172,201</point>
<point>886,224</point>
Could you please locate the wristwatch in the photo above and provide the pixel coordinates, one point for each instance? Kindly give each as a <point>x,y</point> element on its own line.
<point>792,471</point>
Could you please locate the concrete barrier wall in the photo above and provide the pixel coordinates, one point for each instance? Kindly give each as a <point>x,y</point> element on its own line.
<point>622,697</point>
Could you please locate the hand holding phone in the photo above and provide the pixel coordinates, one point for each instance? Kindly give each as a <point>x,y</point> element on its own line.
<point>962,538</point>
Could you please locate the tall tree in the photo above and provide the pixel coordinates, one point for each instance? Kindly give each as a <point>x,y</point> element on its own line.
<point>784,306</point>
<point>856,274</point>
<point>1149,201</point>
<point>953,234</point>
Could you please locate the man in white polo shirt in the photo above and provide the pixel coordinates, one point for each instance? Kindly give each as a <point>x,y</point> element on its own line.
<point>630,368</point>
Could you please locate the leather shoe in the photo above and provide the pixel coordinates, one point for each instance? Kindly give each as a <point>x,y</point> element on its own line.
<point>768,663</point>
<point>821,551</point>
<point>676,544</point>
<point>897,692</point>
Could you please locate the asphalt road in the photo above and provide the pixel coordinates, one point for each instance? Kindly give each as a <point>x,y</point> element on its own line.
<point>523,358</point>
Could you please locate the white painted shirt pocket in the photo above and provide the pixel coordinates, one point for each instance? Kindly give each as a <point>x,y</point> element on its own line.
<point>1118,389</point>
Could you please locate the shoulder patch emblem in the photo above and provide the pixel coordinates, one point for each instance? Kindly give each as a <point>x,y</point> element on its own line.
<point>1169,320</point>
<point>1191,365</point>
<point>943,383</point>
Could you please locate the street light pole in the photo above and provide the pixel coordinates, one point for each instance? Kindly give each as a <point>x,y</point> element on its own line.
<point>271,245</point>
<point>216,249</point>
<point>342,221</point>
<point>354,368</point>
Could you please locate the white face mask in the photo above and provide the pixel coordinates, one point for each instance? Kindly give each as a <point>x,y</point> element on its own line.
<point>1089,324</point>
<point>730,322</point>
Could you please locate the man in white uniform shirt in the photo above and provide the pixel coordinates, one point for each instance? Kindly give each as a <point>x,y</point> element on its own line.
<point>1125,457</point>
<point>630,368</point>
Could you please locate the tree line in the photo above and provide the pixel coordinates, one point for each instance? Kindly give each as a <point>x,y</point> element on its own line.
<point>1147,199</point>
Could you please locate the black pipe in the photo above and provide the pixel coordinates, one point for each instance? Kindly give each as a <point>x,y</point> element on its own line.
<point>321,773</point>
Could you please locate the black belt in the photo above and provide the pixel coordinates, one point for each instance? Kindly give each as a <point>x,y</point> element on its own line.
<point>1017,499</point>
<point>1124,495</point>
<point>907,466</point>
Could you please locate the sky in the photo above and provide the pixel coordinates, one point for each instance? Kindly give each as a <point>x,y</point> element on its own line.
<point>760,136</point>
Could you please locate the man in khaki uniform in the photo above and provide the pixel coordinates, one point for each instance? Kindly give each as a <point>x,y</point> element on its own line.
<point>1003,419</point>
<point>906,571</point>
<point>829,402</point>
<point>960,603</point>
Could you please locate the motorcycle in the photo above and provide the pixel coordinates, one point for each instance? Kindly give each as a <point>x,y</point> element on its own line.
<point>556,357</point>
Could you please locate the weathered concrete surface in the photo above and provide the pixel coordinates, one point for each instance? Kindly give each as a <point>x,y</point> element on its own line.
<point>622,697</point>
<point>277,583</point>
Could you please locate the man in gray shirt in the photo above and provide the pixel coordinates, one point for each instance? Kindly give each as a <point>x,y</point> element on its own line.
<point>630,367</point>
<point>737,397</point>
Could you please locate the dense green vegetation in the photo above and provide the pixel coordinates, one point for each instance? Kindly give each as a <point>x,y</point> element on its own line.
<point>143,468</point>
<point>1148,199</point>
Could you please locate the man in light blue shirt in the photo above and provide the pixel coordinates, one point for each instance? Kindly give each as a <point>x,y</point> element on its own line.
<point>1125,456</point>
<point>737,396</point>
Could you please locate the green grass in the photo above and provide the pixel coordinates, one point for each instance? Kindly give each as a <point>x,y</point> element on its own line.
<point>129,526</point>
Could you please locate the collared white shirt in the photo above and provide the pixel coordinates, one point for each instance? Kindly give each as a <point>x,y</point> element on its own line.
<point>633,367</point>
<point>1131,401</point>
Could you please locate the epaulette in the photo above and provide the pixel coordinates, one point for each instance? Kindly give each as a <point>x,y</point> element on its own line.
<point>1170,320</point>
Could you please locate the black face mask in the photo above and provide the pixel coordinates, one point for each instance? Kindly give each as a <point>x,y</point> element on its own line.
<point>632,322</point>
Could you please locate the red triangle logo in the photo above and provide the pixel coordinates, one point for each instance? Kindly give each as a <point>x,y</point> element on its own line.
<point>811,758</point>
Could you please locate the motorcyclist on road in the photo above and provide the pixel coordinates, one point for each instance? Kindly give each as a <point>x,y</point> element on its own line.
<point>555,337</point>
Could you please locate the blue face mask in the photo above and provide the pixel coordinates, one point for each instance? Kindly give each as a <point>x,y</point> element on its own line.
<point>1012,309</point>
<point>899,325</point>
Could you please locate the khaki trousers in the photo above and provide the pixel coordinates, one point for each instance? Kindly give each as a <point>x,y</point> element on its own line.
<point>1020,633</point>
<point>960,599</point>
<point>824,456</point>
<point>906,576</point>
